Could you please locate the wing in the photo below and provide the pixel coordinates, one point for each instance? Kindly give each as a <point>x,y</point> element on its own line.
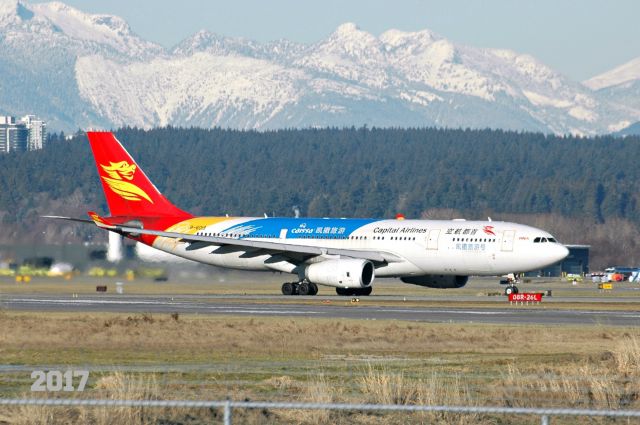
<point>276,247</point>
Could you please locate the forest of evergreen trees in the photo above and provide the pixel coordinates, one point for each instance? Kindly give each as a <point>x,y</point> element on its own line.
<point>352,172</point>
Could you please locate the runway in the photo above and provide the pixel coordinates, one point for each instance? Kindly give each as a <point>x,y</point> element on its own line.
<point>320,307</point>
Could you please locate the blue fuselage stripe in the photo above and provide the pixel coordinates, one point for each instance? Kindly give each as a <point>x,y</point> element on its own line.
<point>298,227</point>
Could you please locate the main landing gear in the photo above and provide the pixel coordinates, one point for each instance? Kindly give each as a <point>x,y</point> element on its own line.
<point>299,288</point>
<point>354,291</point>
<point>310,288</point>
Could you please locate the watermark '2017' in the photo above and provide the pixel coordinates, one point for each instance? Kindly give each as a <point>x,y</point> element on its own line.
<point>56,380</point>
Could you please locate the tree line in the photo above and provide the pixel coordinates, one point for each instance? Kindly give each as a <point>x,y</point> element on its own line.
<point>343,172</point>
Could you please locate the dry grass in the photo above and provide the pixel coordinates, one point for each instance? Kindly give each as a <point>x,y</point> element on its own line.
<point>120,386</point>
<point>318,390</point>
<point>32,338</point>
<point>610,382</point>
<point>352,361</point>
<point>117,386</point>
<point>382,386</point>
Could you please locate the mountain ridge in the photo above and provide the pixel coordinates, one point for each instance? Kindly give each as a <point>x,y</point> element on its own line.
<point>107,76</point>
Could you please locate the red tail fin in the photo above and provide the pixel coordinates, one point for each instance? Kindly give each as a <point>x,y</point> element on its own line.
<point>128,190</point>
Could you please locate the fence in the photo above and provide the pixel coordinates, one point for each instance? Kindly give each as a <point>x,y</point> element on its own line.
<point>228,406</point>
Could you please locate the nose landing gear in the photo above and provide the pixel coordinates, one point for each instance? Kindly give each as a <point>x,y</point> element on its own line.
<point>511,289</point>
<point>510,280</point>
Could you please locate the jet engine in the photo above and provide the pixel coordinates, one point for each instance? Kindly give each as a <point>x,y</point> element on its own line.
<point>344,273</point>
<point>437,281</point>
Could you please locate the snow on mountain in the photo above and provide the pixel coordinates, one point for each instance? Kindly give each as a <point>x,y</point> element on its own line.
<point>57,25</point>
<point>620,86</point>
<point>205,41</point>
<point>169,90</point>
<point>106,30</point>
<point>631,130</point>
<point>349,54</point>
<point>622,74</point>
<point>80,70</point>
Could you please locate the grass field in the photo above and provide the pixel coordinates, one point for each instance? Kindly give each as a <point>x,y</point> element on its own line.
<point>143,356</point>
<point>196,357</point>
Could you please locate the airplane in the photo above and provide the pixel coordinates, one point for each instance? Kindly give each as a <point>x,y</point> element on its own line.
<point>346,254</point>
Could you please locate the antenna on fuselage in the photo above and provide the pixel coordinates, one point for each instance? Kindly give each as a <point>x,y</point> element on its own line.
<point>489,218</point>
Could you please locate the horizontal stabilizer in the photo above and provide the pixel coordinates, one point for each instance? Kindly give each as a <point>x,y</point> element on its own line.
<point>59,217</point>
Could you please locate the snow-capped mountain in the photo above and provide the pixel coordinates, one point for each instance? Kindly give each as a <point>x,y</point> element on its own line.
<point>79,70</point>
<point>621,86</point>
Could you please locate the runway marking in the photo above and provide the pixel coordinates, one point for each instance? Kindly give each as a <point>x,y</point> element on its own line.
<point>445,311</point>
<point>309,309</point>
<point>193,305</point>
<point>81,301</point>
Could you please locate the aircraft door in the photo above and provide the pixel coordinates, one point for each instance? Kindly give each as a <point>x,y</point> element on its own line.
<point>432,239</point>
<point>283,234</point>
<point>507,240</point>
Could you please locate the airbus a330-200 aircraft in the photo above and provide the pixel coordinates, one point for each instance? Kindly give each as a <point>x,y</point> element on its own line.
<point>346,254</point>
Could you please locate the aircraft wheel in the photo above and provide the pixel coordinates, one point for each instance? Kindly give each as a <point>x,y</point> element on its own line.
<point>313,288</point>
<point>510,290</point>
<point>343,291</point>
<point>287,288</point>
<point>365,291</point>
<point>304,289</point>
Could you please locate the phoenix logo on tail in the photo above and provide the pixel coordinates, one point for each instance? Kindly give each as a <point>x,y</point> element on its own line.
<point>119,173</point>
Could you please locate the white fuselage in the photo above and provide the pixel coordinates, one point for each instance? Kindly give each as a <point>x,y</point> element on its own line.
<point>444,247</point>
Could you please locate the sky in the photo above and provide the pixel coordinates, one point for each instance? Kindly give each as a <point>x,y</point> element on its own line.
<point>580,39</point>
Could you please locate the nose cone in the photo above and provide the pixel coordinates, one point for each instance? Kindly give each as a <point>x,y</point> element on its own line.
<point>560,252</point>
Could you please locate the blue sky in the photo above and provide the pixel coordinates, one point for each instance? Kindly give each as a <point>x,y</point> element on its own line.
<point>578,38</point>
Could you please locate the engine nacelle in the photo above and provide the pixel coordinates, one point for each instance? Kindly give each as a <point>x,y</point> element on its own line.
<point>347,273</point>
<point>437,281</point>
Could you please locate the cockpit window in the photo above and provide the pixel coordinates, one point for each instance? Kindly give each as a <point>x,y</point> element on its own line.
<point>543,240</point>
